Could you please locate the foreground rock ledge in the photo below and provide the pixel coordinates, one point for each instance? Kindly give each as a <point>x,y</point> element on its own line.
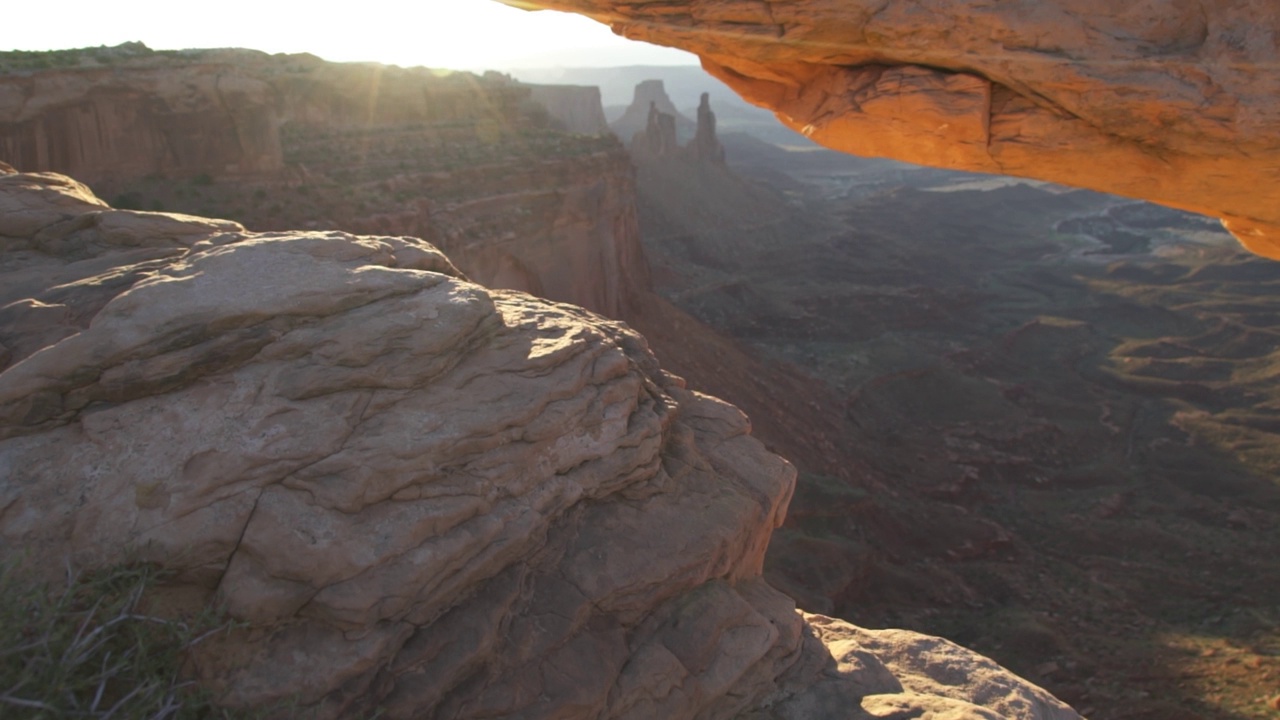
<point>1173,101</point>
<point>421,495</point>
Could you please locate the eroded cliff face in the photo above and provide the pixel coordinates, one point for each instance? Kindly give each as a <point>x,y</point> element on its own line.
<point>217,112</point>
<point>419,494</point>
<point>577,108</point>
<point>99,124</point>
<point>521,198</point>
<point>532,210</point>
<point>1168,100</point>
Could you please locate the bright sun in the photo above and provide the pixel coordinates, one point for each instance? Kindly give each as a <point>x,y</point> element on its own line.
<point>461,34</point>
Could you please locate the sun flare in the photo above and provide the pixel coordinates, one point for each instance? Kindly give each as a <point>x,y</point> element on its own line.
<point>457,34</point>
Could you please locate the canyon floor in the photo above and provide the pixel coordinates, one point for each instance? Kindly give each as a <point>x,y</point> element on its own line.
<point>1040,421</point>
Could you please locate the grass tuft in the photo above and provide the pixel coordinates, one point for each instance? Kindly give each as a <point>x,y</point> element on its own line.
<point>88,650</point>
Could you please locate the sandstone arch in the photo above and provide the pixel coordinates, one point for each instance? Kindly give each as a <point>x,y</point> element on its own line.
<point>1171,101</point>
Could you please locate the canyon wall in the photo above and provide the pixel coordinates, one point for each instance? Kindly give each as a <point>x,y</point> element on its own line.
<point>415,494</point>
<point>218,112</point>
<point>99,124</point>
<point>561,228</point>
<point>521,196</point>
<point>572,232</point>
<point>577,108</point>
<point>1167,100</point>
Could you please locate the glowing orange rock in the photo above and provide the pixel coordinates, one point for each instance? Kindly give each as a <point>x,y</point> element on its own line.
<point>1172,101</point>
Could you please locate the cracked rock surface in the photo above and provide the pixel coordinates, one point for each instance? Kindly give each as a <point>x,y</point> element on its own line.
<point>1171,101</point>
<point>418,494</point>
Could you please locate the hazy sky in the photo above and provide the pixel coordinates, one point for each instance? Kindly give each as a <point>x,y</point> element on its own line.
<point>459,34</point>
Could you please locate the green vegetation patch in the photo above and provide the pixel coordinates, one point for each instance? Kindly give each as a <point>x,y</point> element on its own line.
<point>33,60</point>
<point>90,650</point>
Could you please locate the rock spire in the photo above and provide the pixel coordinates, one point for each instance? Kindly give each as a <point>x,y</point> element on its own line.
<point>706,146</point>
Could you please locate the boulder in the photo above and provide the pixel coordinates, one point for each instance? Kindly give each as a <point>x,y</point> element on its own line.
<point>415,493</point>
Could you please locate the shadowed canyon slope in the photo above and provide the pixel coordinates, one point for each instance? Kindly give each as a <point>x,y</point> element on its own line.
<point>420,495</point>
<point>1168,100</point>
<point>1050,428</point>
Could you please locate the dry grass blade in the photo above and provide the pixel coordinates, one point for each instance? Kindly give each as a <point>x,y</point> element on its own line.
<point>85,650</point>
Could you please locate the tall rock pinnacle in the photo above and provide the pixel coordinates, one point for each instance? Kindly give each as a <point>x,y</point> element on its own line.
<point>706,146</point>
<point>659,136</point>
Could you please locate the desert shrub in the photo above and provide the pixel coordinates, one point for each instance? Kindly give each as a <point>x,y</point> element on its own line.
<point>88,650</point>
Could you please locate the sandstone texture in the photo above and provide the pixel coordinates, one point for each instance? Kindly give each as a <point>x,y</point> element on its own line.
<point>1167,100</point>
<point>419,494</point>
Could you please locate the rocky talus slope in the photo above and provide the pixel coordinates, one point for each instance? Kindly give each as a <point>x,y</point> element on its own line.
<point>419,494</point>
<point>1169,100</point>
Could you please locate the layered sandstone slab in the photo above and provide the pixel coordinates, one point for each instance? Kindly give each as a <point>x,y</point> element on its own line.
<point>1168,100</point>
<point>419,494</point>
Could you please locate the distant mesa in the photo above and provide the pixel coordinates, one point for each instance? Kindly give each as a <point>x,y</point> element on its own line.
<point>575,108</point>
<point>652,94</point>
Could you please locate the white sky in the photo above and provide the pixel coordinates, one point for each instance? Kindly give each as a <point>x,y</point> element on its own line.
<point>457,34</point>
